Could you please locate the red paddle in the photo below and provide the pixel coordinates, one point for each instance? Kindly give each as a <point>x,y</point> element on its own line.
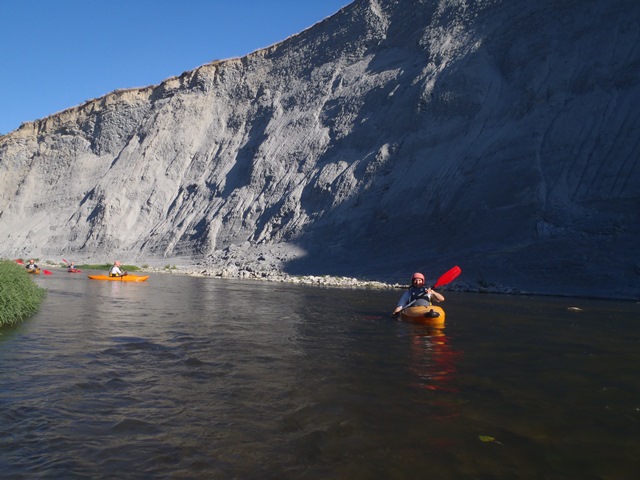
<point>19,262</point>
<point>448,277</point>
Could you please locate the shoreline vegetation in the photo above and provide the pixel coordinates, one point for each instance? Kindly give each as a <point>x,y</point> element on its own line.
<point>20,296</point>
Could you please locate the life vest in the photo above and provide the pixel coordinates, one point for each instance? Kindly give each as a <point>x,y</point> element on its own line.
<point>419,293</point>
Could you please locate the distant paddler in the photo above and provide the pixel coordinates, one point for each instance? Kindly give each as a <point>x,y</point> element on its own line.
<point>115,270</point>
<point>32,267</point>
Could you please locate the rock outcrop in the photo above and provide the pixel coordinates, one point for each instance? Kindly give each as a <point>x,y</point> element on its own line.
<point>394,136</point>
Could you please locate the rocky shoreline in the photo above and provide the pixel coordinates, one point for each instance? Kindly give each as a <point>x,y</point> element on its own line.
<point>265,264</point>
<point>262,262</point>
<point>274,276</point>
<point>332,281</point>
<point>268,262</point>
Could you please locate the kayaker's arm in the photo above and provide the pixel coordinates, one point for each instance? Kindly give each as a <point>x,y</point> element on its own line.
<point>438,296</point>
<point>403,303</point>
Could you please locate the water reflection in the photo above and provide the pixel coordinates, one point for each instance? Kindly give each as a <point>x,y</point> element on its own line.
<point>433,360</point>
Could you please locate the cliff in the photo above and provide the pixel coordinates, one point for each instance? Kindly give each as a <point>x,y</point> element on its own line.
<point>394,136</point>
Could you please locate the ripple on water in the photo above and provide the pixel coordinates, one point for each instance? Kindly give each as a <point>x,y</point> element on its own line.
<point>132,425</point>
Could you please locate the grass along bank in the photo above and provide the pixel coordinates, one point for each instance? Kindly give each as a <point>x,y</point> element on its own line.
<point>20,297</point>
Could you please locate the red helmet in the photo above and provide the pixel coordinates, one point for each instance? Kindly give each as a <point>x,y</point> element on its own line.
<point>417,275</point>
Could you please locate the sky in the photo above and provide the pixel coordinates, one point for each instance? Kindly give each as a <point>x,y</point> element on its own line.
<point>56,54</point>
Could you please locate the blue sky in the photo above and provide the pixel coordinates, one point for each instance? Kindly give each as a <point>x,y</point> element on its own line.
<point>56,54</point>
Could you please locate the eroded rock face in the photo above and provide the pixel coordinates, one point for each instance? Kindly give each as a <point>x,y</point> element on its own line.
<point>393,136</point>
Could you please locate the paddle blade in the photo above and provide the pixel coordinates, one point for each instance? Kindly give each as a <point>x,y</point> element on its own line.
<point>19,262</point>
<point>47,272</point>
<point>448,277</point>
<point>65,261</point>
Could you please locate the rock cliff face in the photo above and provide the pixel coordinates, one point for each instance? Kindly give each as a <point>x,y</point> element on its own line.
<point>394,136</point>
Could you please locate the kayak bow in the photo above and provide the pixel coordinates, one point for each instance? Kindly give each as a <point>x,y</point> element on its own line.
<point>424,315</point>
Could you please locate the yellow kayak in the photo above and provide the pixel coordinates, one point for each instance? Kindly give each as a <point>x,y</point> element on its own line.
<point>33,271</point>
<point>124,278</point>
<point>424,315</point>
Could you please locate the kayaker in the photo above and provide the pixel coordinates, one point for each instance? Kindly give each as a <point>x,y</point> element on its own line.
<point>418,294</point>
<point>115,270</point>
<point>31,265</point>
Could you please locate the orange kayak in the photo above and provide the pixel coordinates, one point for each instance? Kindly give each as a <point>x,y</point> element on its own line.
<point>33,271</point>
<point>424,315</point>
<point>124,278</point>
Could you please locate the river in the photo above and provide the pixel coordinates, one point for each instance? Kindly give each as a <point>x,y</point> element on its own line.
<point>184,377</point>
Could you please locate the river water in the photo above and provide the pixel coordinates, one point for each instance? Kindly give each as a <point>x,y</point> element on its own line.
<point>202,378</point>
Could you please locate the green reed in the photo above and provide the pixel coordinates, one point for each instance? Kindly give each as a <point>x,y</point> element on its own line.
<point>20,297</point>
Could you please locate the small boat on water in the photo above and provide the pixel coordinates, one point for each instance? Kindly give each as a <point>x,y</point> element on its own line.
<point>425,315</point>
<point>123,278</point>
<point>74,270</point>
<point>33,271</point>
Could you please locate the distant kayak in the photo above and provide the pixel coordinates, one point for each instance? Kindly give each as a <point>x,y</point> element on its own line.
<point>74,270</point>
<point>424,315</point>
<point>124,278</point>
<point>33,271</point>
